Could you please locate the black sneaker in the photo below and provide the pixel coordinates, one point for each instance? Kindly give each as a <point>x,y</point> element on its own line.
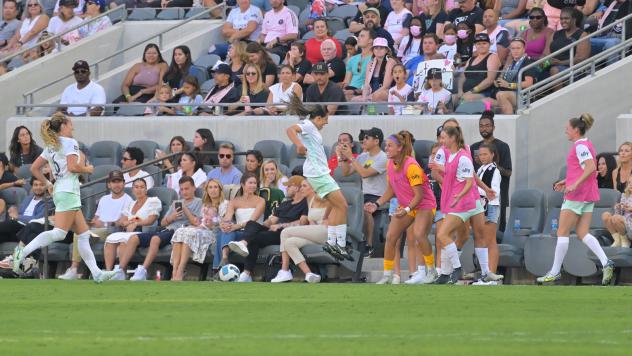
<point>345,252</point>
<point>456,275</point>
<point>332,251</point>
<point>368,251</point>
<point>443,279</point>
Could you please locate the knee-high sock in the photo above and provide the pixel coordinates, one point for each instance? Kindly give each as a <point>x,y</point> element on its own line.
<point>331,235</point>
<point>388,267</point>
<point>44,239</point>
<point>85,251</point>
<point>592,243</point>
<point>560,252</point>
<point>483,259</point>
<point>453,255</point>
<point>341,235</point>
<point>446,266</point>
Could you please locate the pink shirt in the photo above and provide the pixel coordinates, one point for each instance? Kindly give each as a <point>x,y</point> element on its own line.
<point>452,186</point>
<point>588,190</point>
<point>403,180</point>
<point>279,24</point>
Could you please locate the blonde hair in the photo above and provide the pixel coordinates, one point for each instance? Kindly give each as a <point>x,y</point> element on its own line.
<point>207,200</point>
<point>240,51</point>
<point>50,129</point>
<point>246,86</point>
<point>262,176</point>
<point>583,123</point>
<point>161,87</point>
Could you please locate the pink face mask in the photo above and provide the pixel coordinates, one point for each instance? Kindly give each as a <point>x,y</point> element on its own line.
<point>462,34</point>
<point>415,30</point>
<point>449,39</point>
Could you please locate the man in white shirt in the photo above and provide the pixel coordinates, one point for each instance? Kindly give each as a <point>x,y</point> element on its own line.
<point>132,157</point>
<point>84,91</point>
<point>242,24</point>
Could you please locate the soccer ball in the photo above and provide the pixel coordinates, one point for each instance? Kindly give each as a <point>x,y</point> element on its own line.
<point>229,273</point>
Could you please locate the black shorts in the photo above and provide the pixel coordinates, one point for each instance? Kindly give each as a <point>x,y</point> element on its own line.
<point>164,235</point>
<point>370,198</point>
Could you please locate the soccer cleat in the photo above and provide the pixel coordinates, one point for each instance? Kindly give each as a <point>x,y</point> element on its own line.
<point>472,276</point>
<point>344,253</point>
<point>548,278</point>
<point>442,279</point>
<point>333,251</point>
<point>385,279</point>
<point>239,248</point>
<point>104,276</point>
<point>18,253</point>
<point>312,278</point>
<point>244,278</point>
<point>430,277</point>
<point>140,274</point>
<point>608,273</point>
<point>70,275</point>
<point>456,276</point>
<point>482,282</point>
<point>492,277</point>
<point>119,275</point>
<point>282,276</point>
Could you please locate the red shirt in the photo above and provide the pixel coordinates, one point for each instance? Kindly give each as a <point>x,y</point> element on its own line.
<point>312,49</point>
<point>333,163</point>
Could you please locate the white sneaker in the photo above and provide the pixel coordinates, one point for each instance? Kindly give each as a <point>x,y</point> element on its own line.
<point>482,282</point>
<point>70,275</point>
<point>119,275</point>
<point>417,278</point>
<point>104,276</point>
<point>491,276</point>
<point>396,279</point>
<point>239,248</point>
<point>244,278</point>
<point>430,277</point>
<point>312,278</point>
<point>140,274</point>
<point>282,276</point>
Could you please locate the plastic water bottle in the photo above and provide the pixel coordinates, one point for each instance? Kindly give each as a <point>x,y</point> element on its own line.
<point>393,205</point>
<point>366,94</point>
<point>554,226</point>
<point>158,278</point>
<point>516,225</point>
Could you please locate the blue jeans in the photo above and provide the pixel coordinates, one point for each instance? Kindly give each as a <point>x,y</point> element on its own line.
<point>600,44</point>
<point>221,49</point>
<point>223,238</point>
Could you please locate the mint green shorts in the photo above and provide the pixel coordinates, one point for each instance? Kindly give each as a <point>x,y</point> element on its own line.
<point>323,185</point>
<point>468,214</point>
<point>65,201</point>
<point>578,207</point>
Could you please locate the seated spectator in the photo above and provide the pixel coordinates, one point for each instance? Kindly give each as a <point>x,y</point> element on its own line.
<point>397,21</point>
<point>448,48</point>
<point>293,238</point>
<point>498,35</point>
<point>143,79</point>
<point>619,224</point>
<point>132,157</point>
<point>31,208</point>
<point>184,212</point>
<point>64,21</point>
<point>181,66</point>
<point>47,46</point>
<point>7,180</point>
<point>194,241</point>
<point>246,206</point>
<point>358,24</point>
<point>477,81</point>
<point>189,167</point>
<point>401,91</point>
<point>351,47</point>
<point>271,176</point>
<point>323,90</point>
<point>553,10</point>
<point>143,211</point>
<point>203,140</point>
<point>372,22</point>
<point>624,170</point>
<point>226,173</point>
<point>538,36</point>
<point>92,9</point>
<point>508,82</point>
<point>511,9</point>
<point>617,10</point>
<point>336,66</point>
<point>434,96</point>
<point>313,46</point>
<point>254,160</point>
<point>256,236</point>
<point>23,149</point>
<point>10,22</point>
<point>435,17</point>
<point>225,91</point>
<point>570,20</point>
<point>295,58</point>
<point>176,145</point>
<point>378,78</point>
<point>281,92</point>
<point>164,97</point>
<point>190,97</point>
<point>344,139</point>
<point>356,67</point>
<point>242,24</point>
<point>606,164</point>
<point>280,28</point>
<point>464,44</point>
<point>237,59</point>
<point>34,22</point>
<point>253,90</point>
<point>467,12</point>
<point>258,56</point>
<point>415,66</point>
<point>79,8</point>
<point>410,46</point>
<point>217,13</point>
<point>84,91</point>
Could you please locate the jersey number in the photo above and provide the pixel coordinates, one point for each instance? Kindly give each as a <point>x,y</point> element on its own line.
<point>56,168</point>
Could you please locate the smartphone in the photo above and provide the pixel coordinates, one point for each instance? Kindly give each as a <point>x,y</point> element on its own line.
<point>178,205</point>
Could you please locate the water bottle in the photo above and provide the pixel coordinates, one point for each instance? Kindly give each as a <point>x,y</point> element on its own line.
<point>523,27</point>
<point>366,94</point>
<point>554,226</point>
<point>392,208</point>
<point>516,225</point>
<point>158,276</point>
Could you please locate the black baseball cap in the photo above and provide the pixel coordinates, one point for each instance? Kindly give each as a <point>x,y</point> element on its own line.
<point>481,37</point>
<point>223,69</point>
<point>70,3</point>
<point>320,67</point>
<point>81,64</point>
<point>372,132</point>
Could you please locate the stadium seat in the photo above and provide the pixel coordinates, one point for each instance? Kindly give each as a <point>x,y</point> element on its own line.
<point>106,152</point>
<point>156,174</point>
<point>275,58</point>
<point>344,12</point>
<point>171,13</point>
<point>294,9</point>
<point>470,107</point>
<point>13,196</point>
<point>102,170</point>
<point>422,150</point>
<point>206,87</point>
<point>207,60</point>
<point>342,35</point>
<point>354,180</point>
<point>84,148</point>
<point>302,19</point>
<point>147,146</point>
<point>539,249</point>
<point>166,196</point>
<point>196,10</point>
<point>131,110</point>
<point>272,149</point>
<point>89,199</point>
<point>24,172</point>
<point>202,74</point>
<point>335,24</point>
<point>301,4</point>
<point>308,35</point>
<point>142,14</point>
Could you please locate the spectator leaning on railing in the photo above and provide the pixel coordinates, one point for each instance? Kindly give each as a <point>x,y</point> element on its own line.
<point>507,83</point>
<point>64,21</point>
<point>84,91</point>
<point>570,20</point>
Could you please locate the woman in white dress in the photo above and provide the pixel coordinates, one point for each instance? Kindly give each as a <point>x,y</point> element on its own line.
<point>194,241</point>
<point>142,212</point>
<point>281,92</point>
<point>190,167</point>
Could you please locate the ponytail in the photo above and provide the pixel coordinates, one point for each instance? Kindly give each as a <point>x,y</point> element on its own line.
<point>296,107</point>
<point>50,129</point>
<point>583,123</point>
<point>457,134</point>
<point>405,140</point>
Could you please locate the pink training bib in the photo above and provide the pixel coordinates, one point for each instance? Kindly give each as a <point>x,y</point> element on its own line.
<point>400,184</point>
<point>588,190</point>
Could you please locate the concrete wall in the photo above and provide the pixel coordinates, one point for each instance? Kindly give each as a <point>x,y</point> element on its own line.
<point>624,129</point>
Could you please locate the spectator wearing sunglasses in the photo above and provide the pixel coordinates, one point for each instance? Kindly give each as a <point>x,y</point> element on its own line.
<point>84,91</point>
<point>226,173</point>
<point>94,8</point>
<point>538,36</point>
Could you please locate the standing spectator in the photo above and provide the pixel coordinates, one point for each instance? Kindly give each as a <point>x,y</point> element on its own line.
<point>358,24</point>
<point>477,81</point>
<point>226,173</point>
<point>203,140</point>
<point>498,35</point>
<point>181,66</point>
<point>606,164</point>
<point>486,129</point>
<point>410,46</point>
<point>189,167</point>
<point>64,21</point>
<point>280,28</point>
<point>324,90</point>
<point>313,46</point>
<point>467,11</point>
<point>84,91</point>
<point>143,79</point>
<point>335,160</point>
<point>371,166</point>
<point>242,24</point>
<point>10,23</point>
<point>397,21</point>
<point>379,73</point>
<point>258,56</point>
<point>508,82</point>
<point>34,22</point>
<point>435,17</point>
<point>23,149</point>
<point>295,58</point>
<point>356,67</point>
<point>225,91</point>
<point>336,66</point>
<point>570,20</point>
<point>92,9</point>
<point>538,36</point>
<point>132,157</point>
<point>281,92</point>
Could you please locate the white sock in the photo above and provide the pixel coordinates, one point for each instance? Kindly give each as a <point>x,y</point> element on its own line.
<point>446,266</point>
<point>592,243</point>
<point>388,273</point>
<point>483,259</point>
<point>331,235</point>
<point>560,252</point>
<point>85,251</point>
<point>44,239</point>
<point>341,235</point>
<point>453,255</point>
<point>438,269</point>
<point>421,268</point>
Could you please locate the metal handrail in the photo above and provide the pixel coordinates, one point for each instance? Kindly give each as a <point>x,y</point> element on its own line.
<point>572,66</point>
<point>28,96</point>
<point>57,38</point>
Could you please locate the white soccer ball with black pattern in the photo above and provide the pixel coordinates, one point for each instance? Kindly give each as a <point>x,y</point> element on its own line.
<point>229,273</point>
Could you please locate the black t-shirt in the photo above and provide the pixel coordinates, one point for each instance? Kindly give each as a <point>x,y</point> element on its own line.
<point>431,24</point>
<point>504,161</point>
<point>383,15</point>
<point>8,177</point>
<point>560,4</point>
<point>303,68</point>
<point>288,212</point>
<point>20,159</point>
<point>332,93</point>
<point>339,68</point>
<point>475,16</point>
<point>260,97</point>
<point>270,69</point>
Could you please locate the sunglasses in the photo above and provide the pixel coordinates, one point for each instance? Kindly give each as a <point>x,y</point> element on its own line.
<point>535,17</point>
<point>81,71</point>
<point>251,74</point>
<point>227,156</point>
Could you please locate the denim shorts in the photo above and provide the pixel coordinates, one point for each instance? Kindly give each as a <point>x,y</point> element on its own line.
<point>492,214</point>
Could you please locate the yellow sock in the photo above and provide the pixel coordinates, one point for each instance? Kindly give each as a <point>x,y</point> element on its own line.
<point>429,261</point>
<point>388,265</point>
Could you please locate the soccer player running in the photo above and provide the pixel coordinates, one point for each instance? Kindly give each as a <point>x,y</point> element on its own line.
<point>62,153</point>
<point>309,142</point>
<point>580,194</point>
<point>408,182</point>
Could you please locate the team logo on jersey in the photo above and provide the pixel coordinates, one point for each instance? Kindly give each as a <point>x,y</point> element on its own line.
<point>281,22</point>
<point>466,170</point>
<point>584,154</point>
<point>415,177</point>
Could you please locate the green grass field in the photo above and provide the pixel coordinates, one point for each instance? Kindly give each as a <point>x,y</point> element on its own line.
<point>123,318</point>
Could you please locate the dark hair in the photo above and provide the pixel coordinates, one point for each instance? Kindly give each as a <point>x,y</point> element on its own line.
<point>296,107</point>
<point>577,15</point>
<point>191,80</point>
<point>539,10</point>
<point>456,133</point>
<point>323,20</point>
<point>186,179</point>
<point>255,47</point>
<point>489,115</point>
<point>611,165</point>
<point>351,41</point>
<point>85,6</point>
<point>288,67</point>
<point>371,32</point>
<point>175,73</point>
<point>449,26</point>
<point>410,35</point>
<point>404,139</point>
<point>15,149</point>
<point>194,158</point>
<point>154,46</point>
<point>185,146</point>
<point>244,179</point>
<point>209,145</point>
<point>141,179</point>
<point>4,160</point>
<point>492,149</point>
<point>258,157</point>
<point>583,123</point>
<point>136,154</point>
<point>299,45</point>
<point>348,135</point>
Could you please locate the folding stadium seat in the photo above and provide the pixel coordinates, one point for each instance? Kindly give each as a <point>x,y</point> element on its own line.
<point>103,170</point>
<point>302,18</point>
<point>206,86</point>
<point>207,61</point>
<point>142,14</point>
<point>130,110</point>
<point>344,12</point>
<point>275,58</point>
<point>285,170</point>
<point>172,13</point>
<point>196,10</point>
<point>13,196</point>
<point>539,249</point>
<point>166,196</point>
<point>308,35</point>
<point>295,9</point>
<point>147,146</point>
<point>156,174</point>
<point>342,35</point>
<point>422,150</point>
<point>470,107</point>
<point>272,149</point>
<point>105,152</point>
<point>335,24</point>
<point>24,171</point>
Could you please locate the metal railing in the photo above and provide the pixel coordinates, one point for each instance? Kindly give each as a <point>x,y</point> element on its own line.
<point>576,70</point>
<point>28,96</point>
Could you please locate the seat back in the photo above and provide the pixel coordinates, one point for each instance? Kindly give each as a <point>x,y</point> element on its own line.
<point>528,206</point>
<point>355,213</point>
<point>608,198</point>
<point>24,172</point>
<point>102,171</point>
<point>207,60</point>
<point>156,174</point>
<point>171,13</point>
<point>196,10</point>
<point>422,151</point>
<point>471,107</point>
<point>147,146</point>
<point>166,196</point>
<point>13,195</point>
<point>273,149</point>
<point>105,152</point>
<point>344,12</point>
<point>353,180</point>
<point>554,207</point>
<point>142,14</point>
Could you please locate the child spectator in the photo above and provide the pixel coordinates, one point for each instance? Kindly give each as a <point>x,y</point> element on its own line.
<point>190,95</point>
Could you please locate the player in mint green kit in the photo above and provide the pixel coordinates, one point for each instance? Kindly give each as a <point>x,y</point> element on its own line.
<point>67,162</point>
<point>308,140</point>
